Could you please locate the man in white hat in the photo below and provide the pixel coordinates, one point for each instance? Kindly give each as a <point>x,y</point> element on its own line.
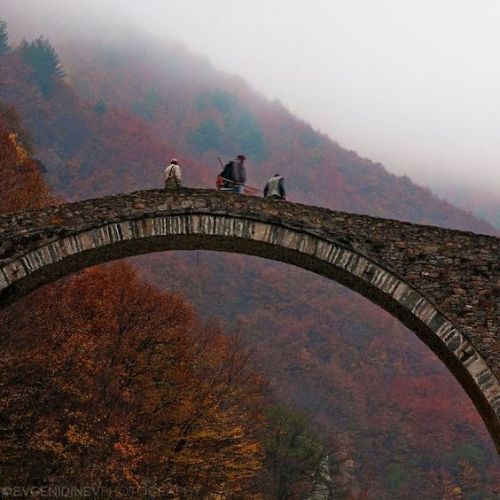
<point>173,175</point>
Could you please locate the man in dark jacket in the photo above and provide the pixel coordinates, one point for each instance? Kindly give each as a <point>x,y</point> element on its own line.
<point>235,175</point>
<point>275,187</point>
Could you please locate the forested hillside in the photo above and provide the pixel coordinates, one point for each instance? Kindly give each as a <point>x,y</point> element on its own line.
<point>111,386</point>
<point>109,114</point>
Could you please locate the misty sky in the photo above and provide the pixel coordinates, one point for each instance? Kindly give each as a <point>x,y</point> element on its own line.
<point>414,84</point>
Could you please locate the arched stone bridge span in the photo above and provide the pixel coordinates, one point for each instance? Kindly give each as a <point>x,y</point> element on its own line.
<point>442,284</point>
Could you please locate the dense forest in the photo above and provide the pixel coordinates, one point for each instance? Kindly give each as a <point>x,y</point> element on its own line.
<point>112,377</point>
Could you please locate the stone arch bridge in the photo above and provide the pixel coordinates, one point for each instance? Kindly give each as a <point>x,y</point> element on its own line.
<point>442,284</point>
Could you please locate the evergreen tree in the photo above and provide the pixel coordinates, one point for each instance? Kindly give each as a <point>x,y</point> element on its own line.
<point>42,57</point>
<point>241,129</point>
<point>293,453</point>
<point>100,107</point>
<point>205,137</point>
<point>4,38</point>
<point>147,106</point>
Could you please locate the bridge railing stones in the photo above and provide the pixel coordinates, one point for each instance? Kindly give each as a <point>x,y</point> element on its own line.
<point>435,280</point>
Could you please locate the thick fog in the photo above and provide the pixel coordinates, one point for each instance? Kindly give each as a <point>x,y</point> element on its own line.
<point>413,84</point>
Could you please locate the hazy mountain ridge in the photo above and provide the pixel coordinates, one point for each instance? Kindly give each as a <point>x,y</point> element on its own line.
<point>481,204</point>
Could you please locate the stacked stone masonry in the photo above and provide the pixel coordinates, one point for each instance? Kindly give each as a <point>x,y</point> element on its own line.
<point>443,284</point>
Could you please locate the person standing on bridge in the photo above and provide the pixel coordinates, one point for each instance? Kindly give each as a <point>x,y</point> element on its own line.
<point>239,174</point>
<point>234,174</point>
<point>275,187</point>
<point>173,175</point>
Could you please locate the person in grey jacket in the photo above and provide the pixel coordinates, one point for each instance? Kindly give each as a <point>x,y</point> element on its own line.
<point>275,187</point>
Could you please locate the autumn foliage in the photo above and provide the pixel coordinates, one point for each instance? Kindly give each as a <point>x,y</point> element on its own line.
<point>107,381</point>
<point>22,186</point>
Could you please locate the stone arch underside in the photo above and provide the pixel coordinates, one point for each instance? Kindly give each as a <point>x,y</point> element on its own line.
<point>188,229</point>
